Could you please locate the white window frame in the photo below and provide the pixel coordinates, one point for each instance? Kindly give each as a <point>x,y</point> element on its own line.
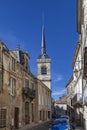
<point>12,86</point>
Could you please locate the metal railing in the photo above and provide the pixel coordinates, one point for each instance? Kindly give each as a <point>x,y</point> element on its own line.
<point>77,99</point>
<point>28,92</point>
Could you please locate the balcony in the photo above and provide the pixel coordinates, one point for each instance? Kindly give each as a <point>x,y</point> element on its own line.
<point>28,93</point>
<point>77,100</point>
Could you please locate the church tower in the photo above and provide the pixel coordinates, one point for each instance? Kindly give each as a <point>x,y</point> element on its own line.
<point>43,64</point>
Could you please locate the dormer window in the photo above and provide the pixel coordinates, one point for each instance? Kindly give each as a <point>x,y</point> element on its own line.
<point>43,70</point>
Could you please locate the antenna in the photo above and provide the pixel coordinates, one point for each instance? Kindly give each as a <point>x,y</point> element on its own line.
<point>43,19</point>
<point>18,46</point>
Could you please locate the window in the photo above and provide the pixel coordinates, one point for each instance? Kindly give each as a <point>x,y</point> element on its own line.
<point>40,115</point>
<point>12,86</point>
<point>2,118</point>
<point>12,63</point>
<point>43,70</point>
<point>26,82</point>
<point>32,86</point>
<point>39,98</point>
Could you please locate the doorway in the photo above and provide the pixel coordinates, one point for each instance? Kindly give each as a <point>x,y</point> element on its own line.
<point>16,118</point>
<point>27,113</point>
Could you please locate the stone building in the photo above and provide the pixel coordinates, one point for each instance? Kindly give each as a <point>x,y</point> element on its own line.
<point>79,99</point>
<point>78,77</point>
<point>24,98</point>
<point>82,29</point>
<point>61,106</point>
<point>70,93</point>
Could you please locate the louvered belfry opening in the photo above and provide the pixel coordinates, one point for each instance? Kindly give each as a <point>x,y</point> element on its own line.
<point>85,64</point>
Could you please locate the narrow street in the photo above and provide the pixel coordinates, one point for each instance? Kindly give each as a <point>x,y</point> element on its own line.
<point>44,126</point>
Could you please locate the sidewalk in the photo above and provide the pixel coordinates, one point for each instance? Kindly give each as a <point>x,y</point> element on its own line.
<point>79,128</point>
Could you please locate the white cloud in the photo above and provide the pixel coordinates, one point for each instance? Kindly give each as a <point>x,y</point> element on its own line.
<point>59,92</point>
<point>58,78</point>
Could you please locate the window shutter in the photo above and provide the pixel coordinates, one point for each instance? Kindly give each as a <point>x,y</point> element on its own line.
<point>11,86</point>
<point>14,88</point>
<point>85,64</point>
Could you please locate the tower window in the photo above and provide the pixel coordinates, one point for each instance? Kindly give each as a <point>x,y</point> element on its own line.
<point>43,70</point>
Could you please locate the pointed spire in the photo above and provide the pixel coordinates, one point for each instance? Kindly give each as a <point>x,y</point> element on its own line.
<point>43,54</point>
<point>43,47</point>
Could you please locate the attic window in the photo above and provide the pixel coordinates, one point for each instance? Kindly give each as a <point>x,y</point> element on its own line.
<point>43,70</point>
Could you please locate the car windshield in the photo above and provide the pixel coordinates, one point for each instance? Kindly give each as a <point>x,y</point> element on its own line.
<point>65,117</point>
<point>56,122</point>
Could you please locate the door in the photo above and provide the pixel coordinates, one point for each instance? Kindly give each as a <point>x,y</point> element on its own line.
<point>27,113</point>
<point>16,118</point>
<point>32,108</point>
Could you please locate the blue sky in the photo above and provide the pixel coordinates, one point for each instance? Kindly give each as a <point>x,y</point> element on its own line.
<point>21,23</point>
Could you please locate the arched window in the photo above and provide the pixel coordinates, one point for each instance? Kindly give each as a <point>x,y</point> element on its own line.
<point>43,70</point>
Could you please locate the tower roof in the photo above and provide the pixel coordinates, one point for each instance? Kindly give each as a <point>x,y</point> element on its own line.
<point>43,47</point>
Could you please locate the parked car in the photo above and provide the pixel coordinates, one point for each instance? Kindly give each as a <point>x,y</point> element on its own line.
<point>72,125</point>
<point>64,117</point>
<point>60,124</point>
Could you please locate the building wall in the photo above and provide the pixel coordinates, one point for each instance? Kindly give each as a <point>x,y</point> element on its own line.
<point>44,102</point>
<point>21,109</point>
<point>70,93</point>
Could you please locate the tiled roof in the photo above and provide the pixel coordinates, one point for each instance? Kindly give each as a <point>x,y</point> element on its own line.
<point>62,100</point>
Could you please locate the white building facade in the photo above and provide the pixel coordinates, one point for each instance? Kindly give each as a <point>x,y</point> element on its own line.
<point>80,63</point>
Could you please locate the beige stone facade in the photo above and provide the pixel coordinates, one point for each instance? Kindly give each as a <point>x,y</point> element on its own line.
<point>70,94</point>
<point>61,106</point>
<point>24,99</point>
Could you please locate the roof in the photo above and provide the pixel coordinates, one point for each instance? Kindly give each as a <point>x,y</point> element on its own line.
<point>43,54</point>
<point>62,100</point>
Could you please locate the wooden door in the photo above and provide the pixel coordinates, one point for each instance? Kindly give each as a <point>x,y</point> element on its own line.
<point>16,118</point>
<point>27,113</point>
<point>32,108</point>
